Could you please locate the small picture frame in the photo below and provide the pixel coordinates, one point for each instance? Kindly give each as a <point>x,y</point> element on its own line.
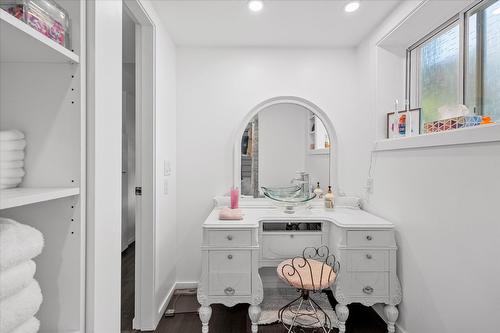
<point>404,123</point>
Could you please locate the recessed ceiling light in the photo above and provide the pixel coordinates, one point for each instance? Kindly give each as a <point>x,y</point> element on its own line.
<point>351,7</point>
<point>255,5</point>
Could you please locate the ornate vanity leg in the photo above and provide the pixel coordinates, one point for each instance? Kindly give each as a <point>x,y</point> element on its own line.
<point>254,314</point>
<point>205,313</point>
<point>342,313</point>
<point>392,313</point>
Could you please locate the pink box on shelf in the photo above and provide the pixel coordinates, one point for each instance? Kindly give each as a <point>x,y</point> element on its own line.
<point>452,123</point>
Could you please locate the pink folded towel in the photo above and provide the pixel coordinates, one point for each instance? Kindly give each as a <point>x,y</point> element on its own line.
<point>227,213</point>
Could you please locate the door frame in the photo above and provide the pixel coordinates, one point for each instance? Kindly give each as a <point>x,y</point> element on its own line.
<point>145,214</point>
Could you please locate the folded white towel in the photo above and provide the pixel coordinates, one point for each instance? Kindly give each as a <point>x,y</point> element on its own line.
<point>12,145</point>
<point>14,279</point>
<point>9,135</point>
<point>12,173</point>
<point>18,243</point>
<point>10,181</point>
<point>9,156</point>
<point>32,325</point>
<point>20,307</point>
<point>11,164</point>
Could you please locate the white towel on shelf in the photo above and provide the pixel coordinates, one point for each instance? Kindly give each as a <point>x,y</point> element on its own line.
<point>347,202</point>
<point>32,325</point>
<point>18,243</point>
<point>10,181</point>
<point>11,164</point>
<point>12,173</point>
<point>9,135</point>
<point>9,156</point>
<point>6,187</point>
<point>20,307</point>
<point>14,279</point>
<point>12,145</point>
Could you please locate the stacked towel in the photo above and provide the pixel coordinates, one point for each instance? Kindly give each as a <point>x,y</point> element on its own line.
<point>227,213</point>
<point>20,294</point>
<point>12,144</point>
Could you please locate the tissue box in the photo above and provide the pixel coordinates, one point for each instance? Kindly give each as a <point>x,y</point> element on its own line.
<point>452,123</point>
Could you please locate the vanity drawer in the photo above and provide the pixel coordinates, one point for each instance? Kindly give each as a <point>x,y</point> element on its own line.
<point>229,284</point>
<point>230,238</point>
<point>368,284</point>
<point>368,260</point>
<point>287,246</point>
<point>229,261</point>
<point>369,238</point>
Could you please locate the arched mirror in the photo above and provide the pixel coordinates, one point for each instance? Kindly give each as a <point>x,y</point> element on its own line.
<point>280,140</point>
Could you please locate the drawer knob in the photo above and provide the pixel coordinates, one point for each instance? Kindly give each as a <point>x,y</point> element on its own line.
<point>229,256</point>
<point>291,236</point>
<point>368,290</point>
<point>229,237</point>
<point>368,237</point>
<point>229,291</point>
<point>368,256</point>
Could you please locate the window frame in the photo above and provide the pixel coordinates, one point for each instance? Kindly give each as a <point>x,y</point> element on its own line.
<point>412,90</point>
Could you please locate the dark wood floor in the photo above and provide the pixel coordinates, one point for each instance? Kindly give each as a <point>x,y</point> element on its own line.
<point>224,320</point>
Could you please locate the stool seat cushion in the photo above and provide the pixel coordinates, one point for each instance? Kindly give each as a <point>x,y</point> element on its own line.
<point>297,273</point>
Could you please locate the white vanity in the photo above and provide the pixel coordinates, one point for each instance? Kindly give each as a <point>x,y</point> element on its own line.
<point>233,252</point>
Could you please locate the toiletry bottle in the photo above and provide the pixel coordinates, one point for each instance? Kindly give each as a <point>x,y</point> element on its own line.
<point>329,198</point>
<point>235,196</point>
<point>318,191</point>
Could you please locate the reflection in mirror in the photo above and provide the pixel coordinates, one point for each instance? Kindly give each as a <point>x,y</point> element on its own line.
<point>280,141</point>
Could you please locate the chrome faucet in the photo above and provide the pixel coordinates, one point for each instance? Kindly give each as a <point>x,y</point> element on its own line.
<point>303,180</point>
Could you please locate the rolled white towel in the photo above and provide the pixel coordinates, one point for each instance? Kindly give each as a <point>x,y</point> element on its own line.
<point>6,187</point>
<point>14,279</point>
<point>12,173</point>
<point>18,243</point>
<point>9,135</point>
<point>10,181</point>
<point>222,201</point>
<point>347,202</point>
<point>32,325</point>
<point>20,307</point>
<point>12,145</point>
<point>9,156</point>
<point>11,164</point>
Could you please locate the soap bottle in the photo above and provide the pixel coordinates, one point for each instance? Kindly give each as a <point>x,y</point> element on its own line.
<point>318,191</point>
<point>329,198</point>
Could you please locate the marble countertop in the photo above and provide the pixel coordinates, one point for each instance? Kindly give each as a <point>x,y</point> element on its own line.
<point>342,217</point>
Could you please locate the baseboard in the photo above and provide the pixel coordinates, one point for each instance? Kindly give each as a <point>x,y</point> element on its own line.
<point>379,309</point>
<point>166,300</point>
<point>186,285</point>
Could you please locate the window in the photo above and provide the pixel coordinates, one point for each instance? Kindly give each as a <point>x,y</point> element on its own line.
<point>458,63</point>
<point>482,78</point>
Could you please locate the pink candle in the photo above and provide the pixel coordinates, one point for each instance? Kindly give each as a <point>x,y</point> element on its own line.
<point>235,196</point>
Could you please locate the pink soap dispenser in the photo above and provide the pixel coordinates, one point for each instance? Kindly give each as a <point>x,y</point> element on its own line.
<point>235,197</point>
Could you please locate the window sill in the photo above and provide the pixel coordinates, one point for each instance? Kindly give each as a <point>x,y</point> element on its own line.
<point>462,136</point>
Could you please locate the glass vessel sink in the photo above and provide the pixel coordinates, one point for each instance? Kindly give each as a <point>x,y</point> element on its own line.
<point>288,197</point>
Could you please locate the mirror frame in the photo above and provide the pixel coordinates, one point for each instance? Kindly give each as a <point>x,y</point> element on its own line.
<point>288,100</point>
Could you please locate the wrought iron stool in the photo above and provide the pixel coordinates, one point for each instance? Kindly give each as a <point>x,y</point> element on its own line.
<point>313,272</point>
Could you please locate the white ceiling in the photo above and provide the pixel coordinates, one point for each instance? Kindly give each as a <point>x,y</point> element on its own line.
<point>282,23</point>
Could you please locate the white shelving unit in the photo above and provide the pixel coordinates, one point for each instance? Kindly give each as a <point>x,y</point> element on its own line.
<point>42,93</point>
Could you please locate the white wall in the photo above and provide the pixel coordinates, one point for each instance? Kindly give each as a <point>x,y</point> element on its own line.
<point>282,143</point>
<point>218,87</point>
<point>443,201</point>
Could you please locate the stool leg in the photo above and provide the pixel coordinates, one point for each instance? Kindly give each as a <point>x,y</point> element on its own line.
<point>342,313</point>
<point>295,316</point>
<point>254,314</point>
<point>392,315</point>
<point>205,313</point>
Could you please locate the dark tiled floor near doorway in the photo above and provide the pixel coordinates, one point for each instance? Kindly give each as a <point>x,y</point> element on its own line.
<point>224,320</point>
